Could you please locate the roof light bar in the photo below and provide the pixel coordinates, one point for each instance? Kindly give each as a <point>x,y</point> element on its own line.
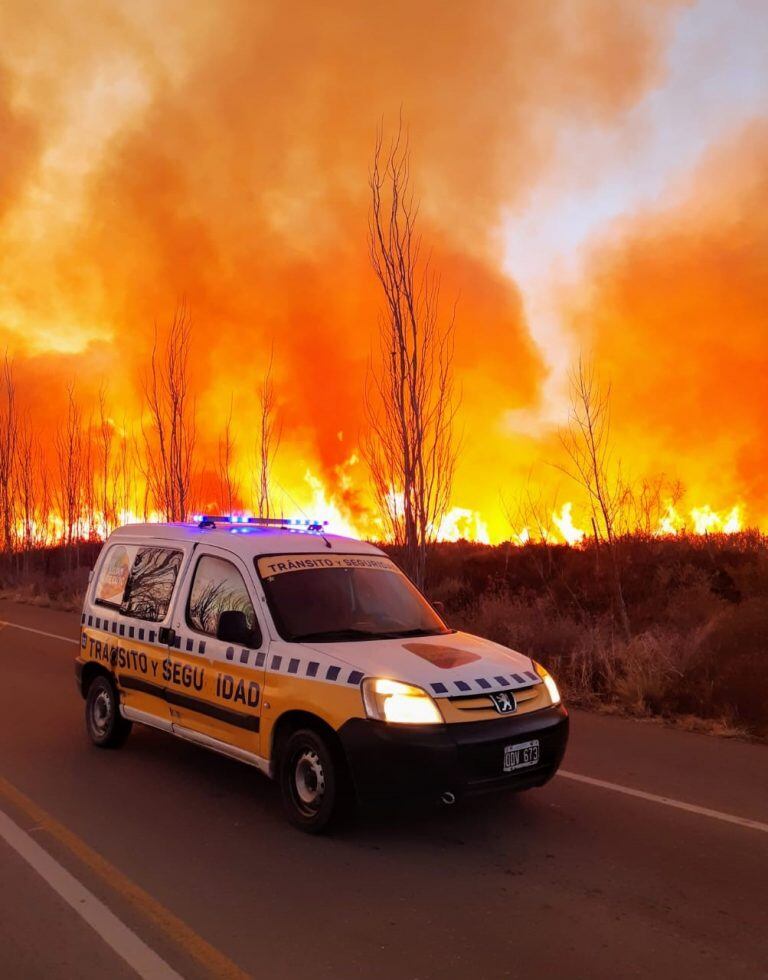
<point>296,523</point>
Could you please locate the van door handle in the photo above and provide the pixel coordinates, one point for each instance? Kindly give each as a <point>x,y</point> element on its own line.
<point>166,635</point>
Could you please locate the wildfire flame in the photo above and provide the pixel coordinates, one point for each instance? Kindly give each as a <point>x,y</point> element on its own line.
<point>564,524</point>
<point>703,520</point>
<point>462,523</point>
<point>459,523</point>
<point>134,175</point>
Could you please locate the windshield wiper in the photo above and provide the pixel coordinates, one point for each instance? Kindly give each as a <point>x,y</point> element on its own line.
<point>330,635</point>
<point>401,634</point>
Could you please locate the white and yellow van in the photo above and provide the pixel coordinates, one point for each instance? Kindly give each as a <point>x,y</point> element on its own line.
<point>311,657</point>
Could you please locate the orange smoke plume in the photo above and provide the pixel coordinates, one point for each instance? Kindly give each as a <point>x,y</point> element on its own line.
<point>676,317</point>
<point>220,153</point>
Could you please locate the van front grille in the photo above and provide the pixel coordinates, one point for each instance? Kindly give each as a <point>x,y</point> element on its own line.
<point>475,707</point>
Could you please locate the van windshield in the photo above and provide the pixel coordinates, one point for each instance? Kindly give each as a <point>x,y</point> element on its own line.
<point>325,599</point>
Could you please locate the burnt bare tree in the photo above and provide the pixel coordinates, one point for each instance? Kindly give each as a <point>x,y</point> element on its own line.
<point>649,500</point>
<point>105,438</point>
<point>68,445</point>
<point>410,399</point>
<point>169,440</point>
<point>29,466</point>
<point>270,433</point>
<point>230,487</point>
<point>89,477</point>
<point>9,439</point>
<point>127,459</point>
<point>45,502</point>
<point>593,466</point>
<point>529,514</point>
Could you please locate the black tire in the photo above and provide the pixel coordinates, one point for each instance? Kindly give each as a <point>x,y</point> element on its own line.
<point>313,782</point>
<point>104,724</point>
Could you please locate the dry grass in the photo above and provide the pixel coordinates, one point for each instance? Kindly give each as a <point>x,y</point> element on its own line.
<point>658,673</point>
<point>698,655</point>
<point>58,593</point>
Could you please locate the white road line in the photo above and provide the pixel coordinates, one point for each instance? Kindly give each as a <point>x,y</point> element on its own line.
<point>640,794</point>
<point>94,912</point>
<point>30,629</point>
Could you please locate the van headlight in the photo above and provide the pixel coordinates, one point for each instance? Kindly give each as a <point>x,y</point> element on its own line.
<point>549,683</point>
<point>398,703</point>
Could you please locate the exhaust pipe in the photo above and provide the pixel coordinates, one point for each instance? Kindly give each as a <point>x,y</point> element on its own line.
<point>448,798</point>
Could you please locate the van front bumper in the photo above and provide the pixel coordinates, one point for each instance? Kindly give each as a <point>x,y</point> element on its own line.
<point>422,762</point>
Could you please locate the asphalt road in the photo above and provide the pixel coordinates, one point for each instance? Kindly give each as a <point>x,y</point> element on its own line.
<point>182,861</point>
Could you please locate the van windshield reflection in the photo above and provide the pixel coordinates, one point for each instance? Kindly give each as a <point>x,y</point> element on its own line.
<point>344,598</point>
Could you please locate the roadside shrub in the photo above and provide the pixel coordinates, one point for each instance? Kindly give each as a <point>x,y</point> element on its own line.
<point>36,588</point>
<point>532,627</point>
<point>649,669</point>
<point>727,675</point>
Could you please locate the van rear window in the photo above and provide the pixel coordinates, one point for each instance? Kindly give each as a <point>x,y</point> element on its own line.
<point>139,581</point>
<point>114,573</point>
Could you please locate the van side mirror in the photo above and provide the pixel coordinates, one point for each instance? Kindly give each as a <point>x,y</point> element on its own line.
<point>233,628</point>
<point>167,635</point>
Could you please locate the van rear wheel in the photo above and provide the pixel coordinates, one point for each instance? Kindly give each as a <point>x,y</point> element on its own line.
<point>312,782</point>
<point>105,725</point>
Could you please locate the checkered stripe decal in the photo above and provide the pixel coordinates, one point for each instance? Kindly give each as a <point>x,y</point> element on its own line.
<point>144,634</point>
<point>301,667</point>
<point>481,685</point>
<point>275,663</point>
<point>312,669</point>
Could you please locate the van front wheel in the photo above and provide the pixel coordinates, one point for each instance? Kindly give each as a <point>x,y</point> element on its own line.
<point>310,782</point>
<point>105,725</point>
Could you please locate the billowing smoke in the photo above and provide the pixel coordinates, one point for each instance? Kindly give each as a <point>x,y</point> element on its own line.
<point>676,316</point>
<point>219,152</point>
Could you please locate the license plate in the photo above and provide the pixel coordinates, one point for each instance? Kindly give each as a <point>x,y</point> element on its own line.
<point>521,756</point>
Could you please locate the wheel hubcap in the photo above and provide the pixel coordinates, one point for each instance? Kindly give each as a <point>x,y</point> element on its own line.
<point>100,714</point>
<point>309,779</point>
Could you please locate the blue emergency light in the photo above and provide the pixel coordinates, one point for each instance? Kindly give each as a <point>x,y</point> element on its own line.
<point>291,523</point>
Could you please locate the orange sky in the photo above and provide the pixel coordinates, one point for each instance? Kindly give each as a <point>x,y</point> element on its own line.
<point>591,175</point>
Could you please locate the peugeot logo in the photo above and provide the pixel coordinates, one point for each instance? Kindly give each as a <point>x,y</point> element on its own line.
<point>504,702</point>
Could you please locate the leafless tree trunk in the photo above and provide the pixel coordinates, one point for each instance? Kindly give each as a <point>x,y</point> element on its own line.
<point>126,461</point>
<point>269,440</point>
<point>29,467</point>
<point>9,436</point>
<point>411,449</point>
<point>69,451</point>
<point>106,475</point>
<point>587,443</point>
<point>169,445</point>
<point>90,492</point>
<point>45,507</point>
<point>230,487</point>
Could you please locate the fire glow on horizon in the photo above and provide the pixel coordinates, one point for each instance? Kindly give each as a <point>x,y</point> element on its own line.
<point>458,524</point>
<point>581,190</point>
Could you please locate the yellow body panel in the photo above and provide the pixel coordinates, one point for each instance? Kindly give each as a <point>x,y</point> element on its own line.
<point>333,703</point>
<point>180,687</point>
<point>240,704</point>
<point>216,684</point>
<point>140,665</point>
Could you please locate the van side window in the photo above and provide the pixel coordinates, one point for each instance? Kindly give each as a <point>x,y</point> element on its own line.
<point>113,577</point>
<point>218,587</point>
<point>150,584</point>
